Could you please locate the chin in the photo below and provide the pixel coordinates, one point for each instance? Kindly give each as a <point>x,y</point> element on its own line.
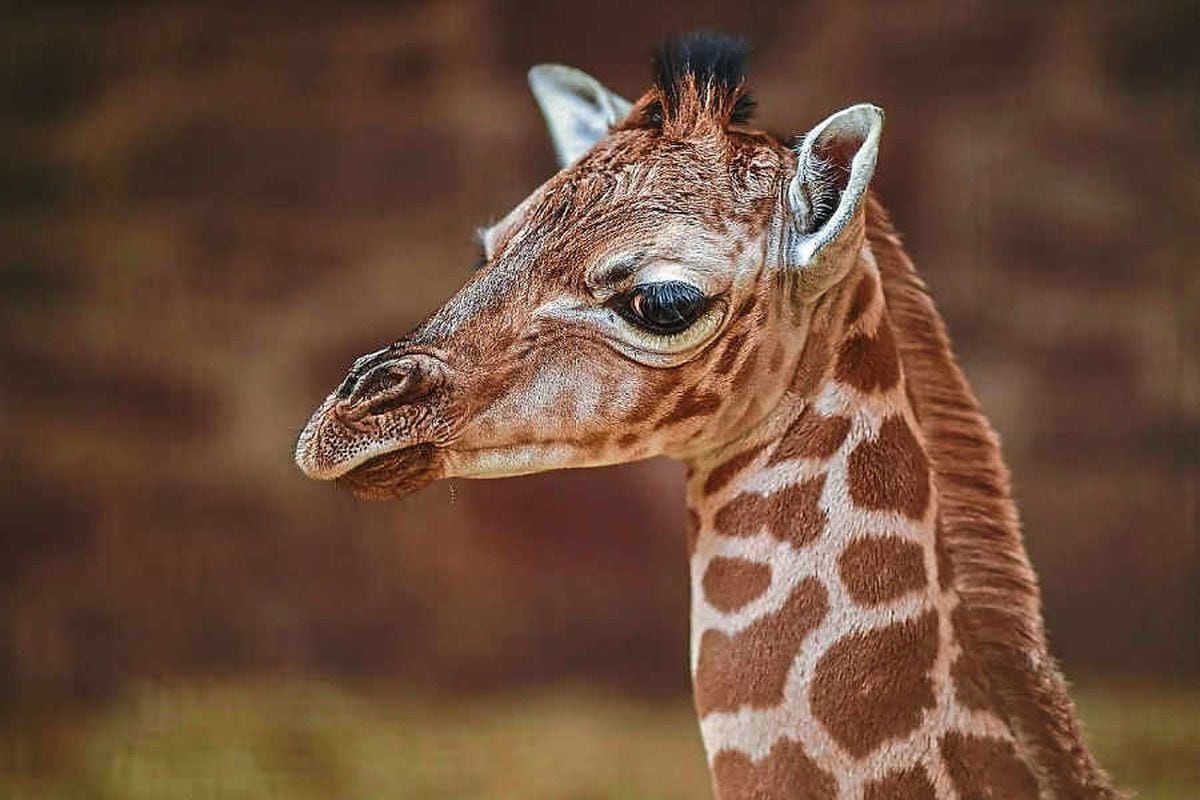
<point>395,474</point>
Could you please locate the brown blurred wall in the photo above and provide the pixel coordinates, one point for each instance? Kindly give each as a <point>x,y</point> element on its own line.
<point>205,214</point>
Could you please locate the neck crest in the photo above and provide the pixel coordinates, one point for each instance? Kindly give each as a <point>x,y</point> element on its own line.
<point>1000,620</point>
<point>843,642</point>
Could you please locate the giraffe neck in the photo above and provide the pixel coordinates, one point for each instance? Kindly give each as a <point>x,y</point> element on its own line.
<point>865,623</point>
<point>824,655</point>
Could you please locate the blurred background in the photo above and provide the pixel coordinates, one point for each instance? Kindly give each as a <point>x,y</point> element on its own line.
<point>206,213</point>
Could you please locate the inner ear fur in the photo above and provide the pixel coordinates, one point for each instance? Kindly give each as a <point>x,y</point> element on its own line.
<point>834,166</point>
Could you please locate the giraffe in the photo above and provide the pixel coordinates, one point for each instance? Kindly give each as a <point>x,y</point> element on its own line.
<point>865,622</point>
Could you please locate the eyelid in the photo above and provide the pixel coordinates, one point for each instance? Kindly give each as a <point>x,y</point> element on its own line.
<point>623,275</point>
<point>614,277</point>
<point>672,272</point>
<point>643,285</point>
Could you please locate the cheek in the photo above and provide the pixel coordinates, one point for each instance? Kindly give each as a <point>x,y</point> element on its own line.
<point>750,368</point>
<point>564,396</point>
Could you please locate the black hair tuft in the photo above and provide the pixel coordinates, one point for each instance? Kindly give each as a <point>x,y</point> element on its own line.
<point>715,63</point>
<point>743,109</point>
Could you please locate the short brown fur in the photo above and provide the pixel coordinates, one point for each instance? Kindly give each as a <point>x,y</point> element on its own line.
<point>982,537</point>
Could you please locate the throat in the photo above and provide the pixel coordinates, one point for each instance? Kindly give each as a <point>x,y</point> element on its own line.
<point>823,652</point>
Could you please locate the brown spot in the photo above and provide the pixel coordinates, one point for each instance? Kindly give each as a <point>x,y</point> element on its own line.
<point>881,568</point>
<point>729,355</point>
<point>649,399</point>
<point>971,684</point>
<point>864,294</point>
<point>986,769</point>
<point>815,358</point>
<point>746,307</point>
<point>945,566</point>
<point>730,583</point>
<point>751,667</point>
<point>786,773</point>
<point>811,436</point>
<point>776,359</point>
<point>890,472</point>
<point>725,472</point>
<point>628,439</point>
<point>745,372</point>
<point>909,784</point>
<point>792,514</point>
<point>691,404</point>
<point>693,530</point>
<point>870,363</point>
<point>871,687</point>
<point>978,509</point>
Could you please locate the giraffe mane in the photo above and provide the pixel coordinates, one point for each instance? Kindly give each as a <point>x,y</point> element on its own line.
<point>998,590</point>
<point>697,77</point>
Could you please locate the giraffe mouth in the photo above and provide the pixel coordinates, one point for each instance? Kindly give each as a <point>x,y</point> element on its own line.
<point>373,455</point>
<point>394,474</point>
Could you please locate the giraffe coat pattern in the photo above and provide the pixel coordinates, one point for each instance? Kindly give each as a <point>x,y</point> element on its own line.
<point>864,623</point>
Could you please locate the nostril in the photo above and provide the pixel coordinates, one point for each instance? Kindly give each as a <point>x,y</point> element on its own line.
<point>347,386</point>
<point>384,378</point>
<point>387,385</point>
<point>362,366</point>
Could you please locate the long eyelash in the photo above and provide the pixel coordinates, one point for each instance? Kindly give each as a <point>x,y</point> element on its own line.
<point>624,306</point>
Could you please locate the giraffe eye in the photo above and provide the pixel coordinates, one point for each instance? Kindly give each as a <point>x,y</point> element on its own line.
<point>665,308</point>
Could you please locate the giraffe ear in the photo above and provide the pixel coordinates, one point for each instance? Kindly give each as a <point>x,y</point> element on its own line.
<point>834,165</point>
<point>578,109</point>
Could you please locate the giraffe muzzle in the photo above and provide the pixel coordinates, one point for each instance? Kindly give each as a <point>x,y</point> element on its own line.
<point>383,423</point>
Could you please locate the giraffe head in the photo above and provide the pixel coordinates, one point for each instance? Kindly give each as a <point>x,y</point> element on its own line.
<point>651,298</point>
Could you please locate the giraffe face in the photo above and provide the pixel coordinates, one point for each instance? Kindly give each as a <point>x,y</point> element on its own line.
<point>644,301</point>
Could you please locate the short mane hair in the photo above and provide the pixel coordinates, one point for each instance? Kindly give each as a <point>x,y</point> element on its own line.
<point>700,75</point>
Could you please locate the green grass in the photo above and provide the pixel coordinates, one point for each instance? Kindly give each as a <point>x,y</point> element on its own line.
<point>1148,739</point>
<point>303,740</point>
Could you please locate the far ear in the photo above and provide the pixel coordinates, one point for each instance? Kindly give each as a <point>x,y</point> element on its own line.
<point>834,166</point>
<point>578,109</point>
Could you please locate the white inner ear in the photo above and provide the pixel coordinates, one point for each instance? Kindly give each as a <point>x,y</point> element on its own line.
<point>578,109</point>
<point>834,166</point>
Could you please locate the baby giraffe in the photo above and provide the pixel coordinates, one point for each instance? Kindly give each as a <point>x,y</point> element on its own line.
<point>865,621</point>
